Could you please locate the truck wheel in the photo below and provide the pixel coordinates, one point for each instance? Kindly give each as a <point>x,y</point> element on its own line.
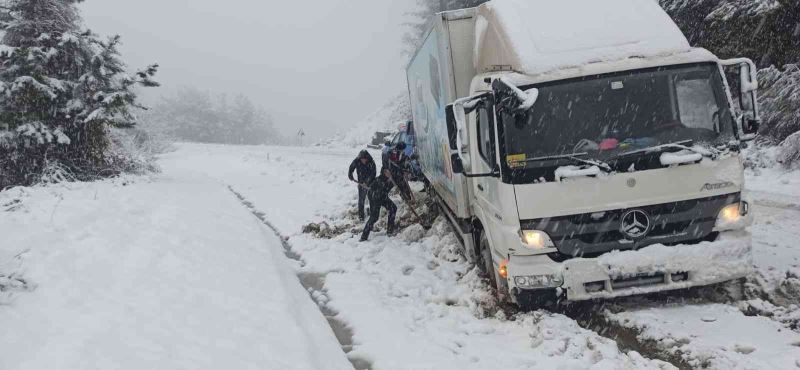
<point>486,265</point>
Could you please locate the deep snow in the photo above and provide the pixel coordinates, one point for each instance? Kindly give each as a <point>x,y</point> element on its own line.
<point>168,272</point>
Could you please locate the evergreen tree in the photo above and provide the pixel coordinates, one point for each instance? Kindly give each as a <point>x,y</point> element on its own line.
<point>61,88</point>
<point>767,31</point>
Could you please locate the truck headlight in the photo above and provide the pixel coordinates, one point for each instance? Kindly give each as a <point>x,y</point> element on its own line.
<point>732,216</point>
<point>535,239</point>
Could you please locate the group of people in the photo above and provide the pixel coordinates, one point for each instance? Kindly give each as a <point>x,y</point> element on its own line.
<point>376,185</point>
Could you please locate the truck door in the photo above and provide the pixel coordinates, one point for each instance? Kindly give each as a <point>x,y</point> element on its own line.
<point>486,187</point>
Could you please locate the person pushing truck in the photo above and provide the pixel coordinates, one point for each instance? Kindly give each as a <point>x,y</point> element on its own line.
<point>378,190</point>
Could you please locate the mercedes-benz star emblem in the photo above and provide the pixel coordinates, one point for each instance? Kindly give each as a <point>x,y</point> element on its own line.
<point>635,224</point>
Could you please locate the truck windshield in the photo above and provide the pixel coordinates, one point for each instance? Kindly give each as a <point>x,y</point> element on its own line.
<point>603,116</point>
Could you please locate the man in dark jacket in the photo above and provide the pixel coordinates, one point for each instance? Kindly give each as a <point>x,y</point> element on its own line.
<point>364,166</point>
<point>379,198</point>
<point>398,163</point>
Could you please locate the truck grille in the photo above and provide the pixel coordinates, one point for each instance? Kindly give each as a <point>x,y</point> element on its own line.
<point>591,234</point>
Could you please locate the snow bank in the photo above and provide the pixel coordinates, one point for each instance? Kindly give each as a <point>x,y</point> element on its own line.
<point>789,151</point>
<point>167,273</point>
<point>534,37</point>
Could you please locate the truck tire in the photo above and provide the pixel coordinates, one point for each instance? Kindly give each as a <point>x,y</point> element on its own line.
<point>486,265</point>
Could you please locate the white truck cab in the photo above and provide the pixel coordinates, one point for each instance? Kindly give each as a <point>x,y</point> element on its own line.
<point>584,149</point>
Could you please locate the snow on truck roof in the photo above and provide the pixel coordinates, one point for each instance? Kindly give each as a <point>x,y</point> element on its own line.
<point>538,36</point>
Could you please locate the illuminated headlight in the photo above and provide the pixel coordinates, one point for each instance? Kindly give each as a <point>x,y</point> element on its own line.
<point>535,239</point>
<point>732,216</point>
<point>538,281</point>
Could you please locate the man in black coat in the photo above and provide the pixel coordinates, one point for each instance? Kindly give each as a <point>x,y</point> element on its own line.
<point>364,166</point>
<point>398,163</point>
<point>379,198</point>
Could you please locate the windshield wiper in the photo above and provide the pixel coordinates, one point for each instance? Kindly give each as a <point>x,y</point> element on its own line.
<point>575,157</point>
<point>655,149</point>
<point>702,151</point>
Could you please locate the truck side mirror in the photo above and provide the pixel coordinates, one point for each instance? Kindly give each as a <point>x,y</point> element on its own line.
<point>456,163</point>
<point>452,131</point>
<point>745,87</point>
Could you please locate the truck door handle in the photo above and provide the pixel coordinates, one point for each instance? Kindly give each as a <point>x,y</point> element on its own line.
<point>480,187</point>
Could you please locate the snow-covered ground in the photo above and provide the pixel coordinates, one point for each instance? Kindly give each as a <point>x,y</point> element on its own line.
<point>411,301</point>
<point>776,232</point>
<point>168,272</point>
<point>173,271</point>
<point>716,336</point>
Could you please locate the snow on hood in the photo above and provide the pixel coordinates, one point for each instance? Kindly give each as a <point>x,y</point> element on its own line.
<point>533,37</point>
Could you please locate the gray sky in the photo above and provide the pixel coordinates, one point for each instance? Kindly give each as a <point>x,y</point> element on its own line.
<point>320,65</point>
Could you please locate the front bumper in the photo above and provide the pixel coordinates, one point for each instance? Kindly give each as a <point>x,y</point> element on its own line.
<point>652,269</point>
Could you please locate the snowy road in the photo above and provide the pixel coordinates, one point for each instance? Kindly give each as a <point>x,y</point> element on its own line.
<point>162,273</point>
<point>99,291</point>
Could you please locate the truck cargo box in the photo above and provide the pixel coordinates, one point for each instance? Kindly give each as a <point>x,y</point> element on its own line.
<point>439,73</point>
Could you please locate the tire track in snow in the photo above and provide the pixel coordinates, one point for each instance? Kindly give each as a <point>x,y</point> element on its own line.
<point>591,316</point>
<point>702,327</point>
<point>315,285</point>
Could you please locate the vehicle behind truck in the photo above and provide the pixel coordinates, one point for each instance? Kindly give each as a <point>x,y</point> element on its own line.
<point>583,149</point>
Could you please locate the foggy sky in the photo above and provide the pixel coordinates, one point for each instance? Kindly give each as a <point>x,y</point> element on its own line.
<point>321,65</point>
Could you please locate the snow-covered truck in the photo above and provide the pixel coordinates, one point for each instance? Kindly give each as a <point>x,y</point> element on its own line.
<point>583,149</point>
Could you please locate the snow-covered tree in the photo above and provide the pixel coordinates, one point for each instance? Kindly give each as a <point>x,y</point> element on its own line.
<point>763,30</point>
<point>61,88</point>
<point>196,115</point>
<point>780,101</point>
